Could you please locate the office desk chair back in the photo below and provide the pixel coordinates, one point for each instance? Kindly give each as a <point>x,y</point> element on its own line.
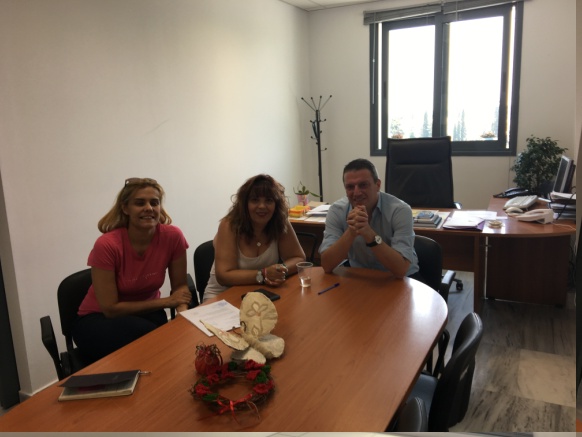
<point>203,260</point>
<point>447,398</point>
<point>308,242</point>
<point>430,263</point>
<point>70,294</point>
<point>419,171</point>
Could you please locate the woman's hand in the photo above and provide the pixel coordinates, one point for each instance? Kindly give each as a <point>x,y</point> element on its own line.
<point>276,274</point>
<point>181,296</point>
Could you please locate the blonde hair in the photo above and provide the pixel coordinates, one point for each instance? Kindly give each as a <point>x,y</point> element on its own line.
<point>116,218</point>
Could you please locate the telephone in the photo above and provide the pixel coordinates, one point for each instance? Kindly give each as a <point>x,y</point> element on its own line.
<point>513,192</point>
<point>537,215</point>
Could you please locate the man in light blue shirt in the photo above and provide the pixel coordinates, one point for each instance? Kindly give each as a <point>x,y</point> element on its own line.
<point>370,228</point>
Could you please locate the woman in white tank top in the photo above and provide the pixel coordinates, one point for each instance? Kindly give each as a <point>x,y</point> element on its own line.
<point>255,242</point>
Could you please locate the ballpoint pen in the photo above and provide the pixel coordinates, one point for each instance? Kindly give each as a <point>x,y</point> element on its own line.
<point>329,288</point>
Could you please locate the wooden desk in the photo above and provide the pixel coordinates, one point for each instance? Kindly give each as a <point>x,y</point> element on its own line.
<point>524,262</point>
<point>528,262</point>
<point>351,357</point>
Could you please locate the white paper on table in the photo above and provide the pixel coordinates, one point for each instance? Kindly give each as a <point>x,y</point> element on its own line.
<point>320,210</point>
<point>221,314</point>
<point>468,219</point>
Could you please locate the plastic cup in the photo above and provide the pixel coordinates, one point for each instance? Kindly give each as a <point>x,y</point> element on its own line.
<point>304,273</point>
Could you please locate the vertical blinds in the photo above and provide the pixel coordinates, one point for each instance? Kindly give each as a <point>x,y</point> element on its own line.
<point>427,10</point>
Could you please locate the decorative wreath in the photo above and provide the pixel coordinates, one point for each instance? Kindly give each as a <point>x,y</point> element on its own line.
<point>259,374</point>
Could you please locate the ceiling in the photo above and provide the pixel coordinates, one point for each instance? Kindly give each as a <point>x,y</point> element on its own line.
<point>314,5</point>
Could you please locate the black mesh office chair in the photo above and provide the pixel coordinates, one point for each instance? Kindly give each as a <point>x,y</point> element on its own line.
<point>203,260</point>
<point>419,171</point>
<point>70,294</point>
<point>447,398</point>
<point>308,242</point>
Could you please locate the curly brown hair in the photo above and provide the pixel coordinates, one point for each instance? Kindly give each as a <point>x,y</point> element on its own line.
<point>116,218</point>
<point>261,185</point>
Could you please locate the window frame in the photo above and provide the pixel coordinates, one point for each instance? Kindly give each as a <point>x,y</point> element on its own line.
<point>379,101</point>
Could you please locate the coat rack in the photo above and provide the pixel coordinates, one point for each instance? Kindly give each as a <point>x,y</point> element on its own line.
<point>315,124</point>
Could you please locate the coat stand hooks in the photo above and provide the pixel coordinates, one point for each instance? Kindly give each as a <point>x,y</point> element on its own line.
<point>315,124</point>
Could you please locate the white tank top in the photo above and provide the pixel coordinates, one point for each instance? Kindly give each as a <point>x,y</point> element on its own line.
<point>265,259</point>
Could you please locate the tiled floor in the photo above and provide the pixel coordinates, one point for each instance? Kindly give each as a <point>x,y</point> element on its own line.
<point>525,367</point>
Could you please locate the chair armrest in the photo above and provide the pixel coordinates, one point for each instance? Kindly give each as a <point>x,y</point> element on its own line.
<point>50,343</point>
<point>446,283</point>
<point>194,303</point>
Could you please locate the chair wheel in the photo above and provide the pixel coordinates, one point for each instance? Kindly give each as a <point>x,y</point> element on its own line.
<point>459,286</point>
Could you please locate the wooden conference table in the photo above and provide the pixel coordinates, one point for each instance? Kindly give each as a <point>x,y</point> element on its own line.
<point>351,357</point>
<point>521,261</point>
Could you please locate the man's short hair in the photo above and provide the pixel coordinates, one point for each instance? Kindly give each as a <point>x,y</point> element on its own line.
<point>361,164</point>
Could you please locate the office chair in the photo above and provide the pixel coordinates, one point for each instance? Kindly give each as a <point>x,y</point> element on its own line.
<point>308,240</point>
<point>447,398</point>
<point>70,294</point>
<point>419,171</point>
<point>203,260</point>
<point>412,418</point>
<point>430,263</point>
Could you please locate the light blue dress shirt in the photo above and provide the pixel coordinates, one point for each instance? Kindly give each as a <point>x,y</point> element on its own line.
<point>391,219</point>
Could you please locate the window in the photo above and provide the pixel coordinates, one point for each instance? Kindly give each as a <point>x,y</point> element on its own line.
<point>448,73</point>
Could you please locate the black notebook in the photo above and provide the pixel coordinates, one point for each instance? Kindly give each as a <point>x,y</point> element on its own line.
<point>99,385</point>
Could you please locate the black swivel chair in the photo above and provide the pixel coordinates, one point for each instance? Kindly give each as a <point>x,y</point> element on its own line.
<point>447,398</point>
<point>308,240</point>
<point>419,171</point>
<point>412,418</point>
<point>70,294</point>
<point>203,260</point>
<point>430,263</point>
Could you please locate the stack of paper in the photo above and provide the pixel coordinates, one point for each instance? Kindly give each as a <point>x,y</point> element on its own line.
<point>318,211</point>
<point>469,220</point>
<point>221,314</point>
<point>563,204</point>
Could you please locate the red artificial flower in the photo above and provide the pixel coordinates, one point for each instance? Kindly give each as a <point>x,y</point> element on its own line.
<point>213,378</point>
<point>263,389</point>
<point>202,390</point>
<point>250,365</point>
<point>226,374</point>
<point>252,374</point>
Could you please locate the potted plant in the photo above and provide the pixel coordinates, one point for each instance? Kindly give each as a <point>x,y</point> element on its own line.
<point>537,165</point>
<point>489,135</point>
<point>302,192</point>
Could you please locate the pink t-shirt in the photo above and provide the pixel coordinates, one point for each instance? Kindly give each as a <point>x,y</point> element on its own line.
<point>138,277</point>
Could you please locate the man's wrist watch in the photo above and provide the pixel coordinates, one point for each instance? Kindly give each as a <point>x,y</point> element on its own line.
<point>377,240</point>
<point>260,277</point>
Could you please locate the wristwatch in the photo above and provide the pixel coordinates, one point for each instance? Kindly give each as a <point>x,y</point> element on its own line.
<point>260,278</point>
<point>377,240</point>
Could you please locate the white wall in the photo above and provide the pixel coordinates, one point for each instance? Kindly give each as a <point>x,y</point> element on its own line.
<point>199,95</point>
<point>339,66</point>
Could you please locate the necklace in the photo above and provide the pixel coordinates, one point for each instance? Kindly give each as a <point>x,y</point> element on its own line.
<point>258,244</point>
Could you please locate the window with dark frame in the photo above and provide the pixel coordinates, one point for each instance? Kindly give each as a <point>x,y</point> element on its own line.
<point>441,70</point>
